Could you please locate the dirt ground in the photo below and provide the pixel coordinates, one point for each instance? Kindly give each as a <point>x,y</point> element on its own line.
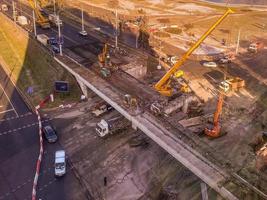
<point>141,172</point>
<point>244,116</point>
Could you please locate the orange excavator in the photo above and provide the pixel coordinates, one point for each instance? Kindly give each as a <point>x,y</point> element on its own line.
<point>215,131</point>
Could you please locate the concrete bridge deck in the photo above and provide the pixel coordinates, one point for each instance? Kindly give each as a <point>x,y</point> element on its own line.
<point>152,127</point>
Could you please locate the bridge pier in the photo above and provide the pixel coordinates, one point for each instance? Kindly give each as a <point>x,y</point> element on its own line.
<point>204,191</point>
<point>82,86</point>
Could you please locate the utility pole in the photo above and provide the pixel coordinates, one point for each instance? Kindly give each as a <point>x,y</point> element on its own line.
<point>59,36</point>
<point>34,19</point>
<point>238,42</point>
<point>14,10</point>
<point>136,40</point>
<point>159,65</point>
<point>82,20</point>
<point>116,38</point>
<point>54,7</point>
<point>34,23</point>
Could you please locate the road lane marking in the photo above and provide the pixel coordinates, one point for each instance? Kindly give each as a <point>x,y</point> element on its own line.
<point>23,127</point>
<point>6,111</point>
<point>11,118</point>
<point>68,38</point>
<point>9,99</point>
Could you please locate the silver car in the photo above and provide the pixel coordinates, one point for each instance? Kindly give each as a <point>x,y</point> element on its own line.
<point>210,64</point>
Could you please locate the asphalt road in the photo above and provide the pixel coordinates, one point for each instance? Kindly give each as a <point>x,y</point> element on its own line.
<point>19,142</point>
<point>19,149</point>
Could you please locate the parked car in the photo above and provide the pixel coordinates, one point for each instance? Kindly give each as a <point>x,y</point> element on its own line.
<point>50,134</point>
<point>224,60</point>
<point>55,49</point>
<point>210,64</point>
<point>60,163</point>
<point>83,33</point>
<point>52,41</point>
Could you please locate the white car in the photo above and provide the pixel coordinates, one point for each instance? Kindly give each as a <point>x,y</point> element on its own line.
<point>224,60</point>
<point>60,163</point>
<point>210,64</point>
<point>83,33</point>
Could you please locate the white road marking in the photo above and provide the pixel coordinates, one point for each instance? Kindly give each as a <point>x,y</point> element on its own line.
<point>9,100</point>
<point>23,127</point>
<point>11,118</point>
<point>6,111</point>
<point>68,38</point>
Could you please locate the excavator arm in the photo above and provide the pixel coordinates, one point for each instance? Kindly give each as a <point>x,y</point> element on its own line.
<point>163,85</point>
<point>40,19</point>
<point>215,131</point>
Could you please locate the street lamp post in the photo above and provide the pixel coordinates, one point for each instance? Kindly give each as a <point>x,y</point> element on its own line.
<point>59,36</point>
<point>54,7</point>
<point>116,38</point>
<point>14,10</point>
<point>82,21</point>
<point>34,19</point>
<point>34,23</point>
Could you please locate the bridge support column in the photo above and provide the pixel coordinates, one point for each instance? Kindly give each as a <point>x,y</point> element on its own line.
<point>134,126</point>
<point>204,191</point>
<point>83,87</point>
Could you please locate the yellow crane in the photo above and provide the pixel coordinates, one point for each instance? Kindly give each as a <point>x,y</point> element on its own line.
<point>164,84</point>
<point>40,18</point>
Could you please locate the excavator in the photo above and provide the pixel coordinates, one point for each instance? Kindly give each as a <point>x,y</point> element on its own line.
<point>102,60</point>
<point>163,86</point>
<point>40,18</point>
<point>102,57</point>
<point>106,66</point>
<point>215,131</point>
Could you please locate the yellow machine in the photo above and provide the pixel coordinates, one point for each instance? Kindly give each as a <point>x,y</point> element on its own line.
<point>103,55</point>
<point>164,84</point>
<point>40,19</point>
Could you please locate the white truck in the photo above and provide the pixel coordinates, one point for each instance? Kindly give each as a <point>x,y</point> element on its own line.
<point>111,126</point>
<point>22,20</point>
<point>101,108</point>
<point>60,163</point>
<point>54,19</point>
<point>43,39</point>
<point>4,7</point>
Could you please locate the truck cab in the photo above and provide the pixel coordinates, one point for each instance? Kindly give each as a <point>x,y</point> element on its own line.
<point>60,163</point>
<point>101,109</point>
<point>102,128</point>
<point>253,48</point>
<point>4,7</point>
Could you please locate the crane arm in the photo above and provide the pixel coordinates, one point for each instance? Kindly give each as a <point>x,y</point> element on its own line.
<point>160,85</point>
<point>218,110</point>
<point>43,21</point>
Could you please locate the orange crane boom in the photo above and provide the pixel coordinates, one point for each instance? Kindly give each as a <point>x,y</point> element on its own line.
<point>163,85</point>
<point>216,130</point>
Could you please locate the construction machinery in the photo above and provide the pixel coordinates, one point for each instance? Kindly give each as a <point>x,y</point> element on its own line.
<point>106,66</point>
<point>164,84</point>
<point>103,56</point>
<point>215,130</point>
<point>232,84</point>
<point>104,61</point>
<point>40,18</point>
<point>112,126</point>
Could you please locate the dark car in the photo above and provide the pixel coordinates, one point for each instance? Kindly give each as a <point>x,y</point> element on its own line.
<point>52,41</point>
<point>50,134</point>
<point>55,49</point>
